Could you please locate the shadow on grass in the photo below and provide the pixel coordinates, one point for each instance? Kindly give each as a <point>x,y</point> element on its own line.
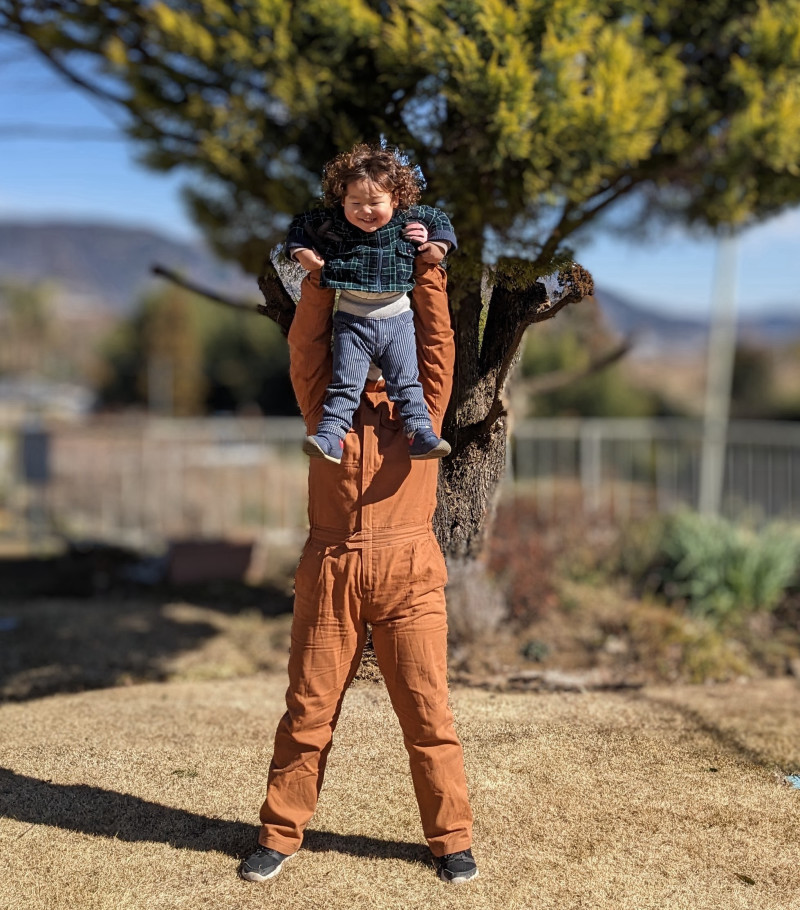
<point>74,623</point>
<point>726,739</point>
<point>105,813</point>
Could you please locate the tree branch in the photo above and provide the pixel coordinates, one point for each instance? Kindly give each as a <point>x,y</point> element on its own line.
<point>278,305</point>
<point>117,102</point>
<point>182,282</point>
<point>568,223</point>
<point>576,283</point>
<point>559,379</point>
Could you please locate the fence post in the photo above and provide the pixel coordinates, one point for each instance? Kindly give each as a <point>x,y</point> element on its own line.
<point>719,374</point>
<point>591,465</point>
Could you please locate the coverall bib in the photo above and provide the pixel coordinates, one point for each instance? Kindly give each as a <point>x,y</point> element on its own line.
<point>371,557</point>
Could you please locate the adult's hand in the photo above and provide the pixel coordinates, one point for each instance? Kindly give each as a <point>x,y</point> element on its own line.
<point>309,259</point>
<point>433,251</point>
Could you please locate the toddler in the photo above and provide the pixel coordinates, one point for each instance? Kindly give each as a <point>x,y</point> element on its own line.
<point>365,242</point>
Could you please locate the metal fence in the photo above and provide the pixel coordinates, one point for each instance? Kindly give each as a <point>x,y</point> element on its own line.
<point>148,480</point>
<point>632,467</point>
<point>145,481</point>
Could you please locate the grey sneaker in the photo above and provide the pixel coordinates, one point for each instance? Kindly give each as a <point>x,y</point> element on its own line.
<point>456,868</point>
<point>324,445</point>
<point>426,444</point>
<point>263,864</point>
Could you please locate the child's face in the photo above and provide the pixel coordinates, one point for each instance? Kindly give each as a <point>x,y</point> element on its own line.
<point>367,206</point>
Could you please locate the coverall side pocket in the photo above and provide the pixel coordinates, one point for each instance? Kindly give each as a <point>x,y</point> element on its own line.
<point>308,577</point>
<point>429,570</point>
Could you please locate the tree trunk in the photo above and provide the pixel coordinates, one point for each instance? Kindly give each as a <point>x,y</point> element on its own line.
<point>488,343</point>
<point>469,481</point>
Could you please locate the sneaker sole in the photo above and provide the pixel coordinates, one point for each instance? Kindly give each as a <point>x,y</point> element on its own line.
<point>313,450</point>
<point>251,876</point>
<point>440,451</point>
<point>461,879</point>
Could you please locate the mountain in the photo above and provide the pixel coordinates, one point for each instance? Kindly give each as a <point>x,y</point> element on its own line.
<point>107,266</point>
<point>650,328</point>
<point>654,330</point>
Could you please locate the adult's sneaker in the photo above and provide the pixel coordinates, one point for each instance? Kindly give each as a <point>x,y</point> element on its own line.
<point>426,444</point>
<point>263,864</point>
<point>456,868</point>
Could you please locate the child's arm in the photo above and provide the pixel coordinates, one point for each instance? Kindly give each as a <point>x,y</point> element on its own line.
<point>301,230</point>
<point>432,251</point>
<point>436,351</point>
<point>441,237</point>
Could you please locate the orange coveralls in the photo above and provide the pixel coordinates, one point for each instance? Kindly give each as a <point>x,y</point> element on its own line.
<point>371,557</point>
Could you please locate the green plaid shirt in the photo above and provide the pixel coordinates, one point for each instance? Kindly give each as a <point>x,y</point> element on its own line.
<point>362,261</point>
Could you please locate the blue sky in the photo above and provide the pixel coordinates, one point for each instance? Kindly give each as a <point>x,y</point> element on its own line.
<point>93,178</point>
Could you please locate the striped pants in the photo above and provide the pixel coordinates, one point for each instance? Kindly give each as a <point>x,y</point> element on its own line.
<point>391,345</point>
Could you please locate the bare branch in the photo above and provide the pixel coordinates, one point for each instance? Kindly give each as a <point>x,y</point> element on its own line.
<point>74,78</point>
<point>278,305</point>
<point>111,102</point>
<point>182,282</point>
<point>559,379</point>
<point>575,216</point>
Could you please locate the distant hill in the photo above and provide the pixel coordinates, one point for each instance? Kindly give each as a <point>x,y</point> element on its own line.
<point>108,266</point>
<point>655,330</point>
<point>650,328</point>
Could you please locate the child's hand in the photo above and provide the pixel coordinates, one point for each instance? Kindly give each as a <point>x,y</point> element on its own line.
<point>415,232</point>
<point>433,251</point>
<point>308,259</point>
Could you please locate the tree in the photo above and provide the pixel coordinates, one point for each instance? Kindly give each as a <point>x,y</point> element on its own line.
<point>530,118</point>
<point>176,353</point>
<point>26,325</point>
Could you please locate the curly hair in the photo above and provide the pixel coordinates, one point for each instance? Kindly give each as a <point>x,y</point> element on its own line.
<point>381,166</point>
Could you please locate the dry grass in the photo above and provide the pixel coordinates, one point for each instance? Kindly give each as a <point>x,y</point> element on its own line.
<point>144,797</point>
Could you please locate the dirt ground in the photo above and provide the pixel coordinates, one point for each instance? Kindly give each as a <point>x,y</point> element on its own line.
<point>146,796</point>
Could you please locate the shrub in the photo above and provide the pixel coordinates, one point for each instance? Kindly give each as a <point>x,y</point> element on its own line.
<point>723,570</point>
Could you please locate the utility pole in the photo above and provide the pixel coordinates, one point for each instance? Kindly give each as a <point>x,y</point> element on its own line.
<point>719,375</point>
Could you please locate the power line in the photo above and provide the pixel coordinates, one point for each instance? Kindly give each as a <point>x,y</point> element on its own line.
<point>39,132</point>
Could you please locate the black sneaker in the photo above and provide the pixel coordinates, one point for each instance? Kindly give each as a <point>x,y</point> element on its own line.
<point>263,864</point>
<point>456,867</point>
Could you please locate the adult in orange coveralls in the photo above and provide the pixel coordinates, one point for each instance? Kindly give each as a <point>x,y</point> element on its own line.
<point>371,557</point>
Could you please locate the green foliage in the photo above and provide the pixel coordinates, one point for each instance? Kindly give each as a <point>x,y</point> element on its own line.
<point>219,360</point>
<point>246,363</point>
<point>605,394</point>
<point>723,570</point>
<point>528,117</point>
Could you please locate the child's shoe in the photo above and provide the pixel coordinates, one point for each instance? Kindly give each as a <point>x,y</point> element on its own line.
<point>426,444</point>
<point>324,445</point>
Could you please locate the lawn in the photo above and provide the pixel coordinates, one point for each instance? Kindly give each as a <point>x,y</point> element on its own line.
<point>146,796</point>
